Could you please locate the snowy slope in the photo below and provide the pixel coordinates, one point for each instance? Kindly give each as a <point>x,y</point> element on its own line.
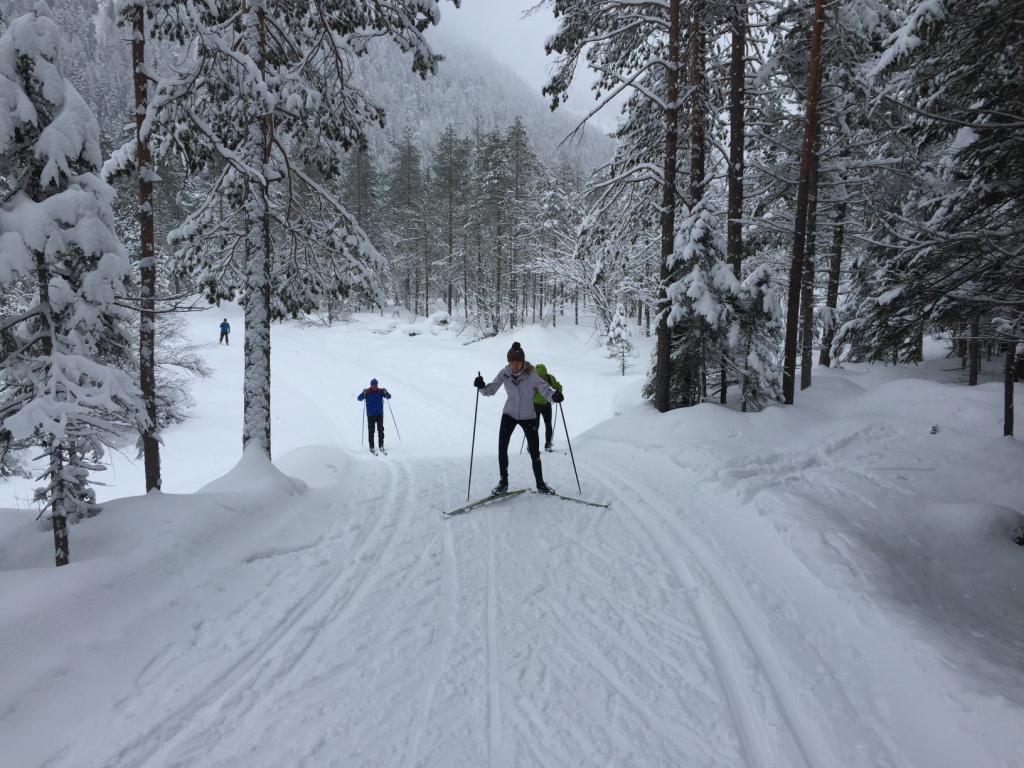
<point>829,584</point>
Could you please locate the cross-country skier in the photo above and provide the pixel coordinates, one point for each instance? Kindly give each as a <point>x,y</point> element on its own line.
<point>374,398</point>
<point>225,329</point>
<point>543,407</point>
<point>520,381</point>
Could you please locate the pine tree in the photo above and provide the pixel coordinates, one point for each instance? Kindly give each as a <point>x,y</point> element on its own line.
<point>267,103</point>
<point>59,386</point>
<point>617,339</point>
<point>450,169</point>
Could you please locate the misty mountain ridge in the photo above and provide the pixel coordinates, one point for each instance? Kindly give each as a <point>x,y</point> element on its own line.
<point>472,91</point>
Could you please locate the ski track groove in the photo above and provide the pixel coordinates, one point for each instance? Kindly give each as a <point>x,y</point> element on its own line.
<point>162,737</point>
<point>756,743</point>
<point>493,693</point>
<point>341,610</point>
<point>611,675</point>
<point>441,645</point>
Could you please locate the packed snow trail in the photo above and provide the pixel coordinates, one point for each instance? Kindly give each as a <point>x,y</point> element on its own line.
<point>512,637</point>
<point>731,607</point>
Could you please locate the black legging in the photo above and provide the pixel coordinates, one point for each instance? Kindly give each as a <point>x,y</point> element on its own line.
<point>545,412</point>
<point>377,421</point>
<point>508,426</point>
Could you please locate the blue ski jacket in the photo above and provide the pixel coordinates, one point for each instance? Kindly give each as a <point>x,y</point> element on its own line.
<point>374,398</point>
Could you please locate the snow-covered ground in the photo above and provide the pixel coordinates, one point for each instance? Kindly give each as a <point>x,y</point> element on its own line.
<point>829,584</point>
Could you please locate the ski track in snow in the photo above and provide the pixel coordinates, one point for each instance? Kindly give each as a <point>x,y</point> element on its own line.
<point>493,687</point>
<point>179,738</point>
<point>577,668</point>
<point>733,651</point>
<point>511,635</point>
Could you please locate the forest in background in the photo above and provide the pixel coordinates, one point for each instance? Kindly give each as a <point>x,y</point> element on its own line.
<point>792,182</point>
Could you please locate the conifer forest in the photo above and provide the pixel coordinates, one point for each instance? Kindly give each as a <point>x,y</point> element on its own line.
<point>791,184</point>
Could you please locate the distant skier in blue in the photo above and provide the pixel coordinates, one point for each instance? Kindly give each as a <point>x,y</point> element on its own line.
<point>374,398</point>
<point>520,381</point>
<point>225,329</point>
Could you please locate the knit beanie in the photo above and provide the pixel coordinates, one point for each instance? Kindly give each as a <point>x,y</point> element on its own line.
<point>516,354</point>
<point>373,382</point>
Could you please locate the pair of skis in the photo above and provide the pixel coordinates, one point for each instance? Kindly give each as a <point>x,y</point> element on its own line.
<point>509,494</point>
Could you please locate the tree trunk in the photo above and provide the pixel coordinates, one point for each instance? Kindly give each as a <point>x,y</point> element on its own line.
<point>807,287</point>
<point>802,198</point>
<point>147,261</point>
<point>1011,357</point>
<point>497,276</point>
<point>668,210</point>
<point>832,292</point>
<point>975,348</point>
<point>58,512</point>
<point>255,153</point>
<point>451,235</point>
<point>737,127</point>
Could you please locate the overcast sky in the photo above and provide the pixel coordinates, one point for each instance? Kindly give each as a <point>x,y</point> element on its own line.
<point>498,26</point>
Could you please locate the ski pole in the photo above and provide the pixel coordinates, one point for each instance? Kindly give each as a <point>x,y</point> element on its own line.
<point>569,443</point>
<point>362,422</point>
<point>472,446</point>
<point>394,422</point>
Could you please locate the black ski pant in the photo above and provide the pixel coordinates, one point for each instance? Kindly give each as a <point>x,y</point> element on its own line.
<point>544,411</point>
<point>377,421</point>
<point>508,426</point>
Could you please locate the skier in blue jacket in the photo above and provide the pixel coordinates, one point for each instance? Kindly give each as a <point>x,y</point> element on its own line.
<point>225,329</point>
<point>374,398</point>
<point>520,382</point>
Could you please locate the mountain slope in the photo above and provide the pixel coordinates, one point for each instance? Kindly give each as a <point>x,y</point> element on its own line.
<point>471,90</point>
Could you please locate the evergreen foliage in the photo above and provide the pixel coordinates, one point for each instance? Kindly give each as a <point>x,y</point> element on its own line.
<point>64,336</point>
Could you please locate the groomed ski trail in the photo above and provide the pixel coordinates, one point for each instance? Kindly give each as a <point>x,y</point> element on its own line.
<point>532,633</point>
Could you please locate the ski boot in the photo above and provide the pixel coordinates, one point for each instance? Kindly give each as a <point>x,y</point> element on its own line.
<point>546,489</point>
<point>501,488</point>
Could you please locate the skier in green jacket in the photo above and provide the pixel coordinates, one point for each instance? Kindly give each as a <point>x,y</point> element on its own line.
<point>542,406</point>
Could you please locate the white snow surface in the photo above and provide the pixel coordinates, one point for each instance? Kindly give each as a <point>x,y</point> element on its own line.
<point>833,583</point>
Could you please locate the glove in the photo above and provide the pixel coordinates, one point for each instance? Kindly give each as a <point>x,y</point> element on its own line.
<point>478,382</point>
<point>557,397</point>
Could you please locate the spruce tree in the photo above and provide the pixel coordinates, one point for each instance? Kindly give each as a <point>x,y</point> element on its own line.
<point>60,384</point>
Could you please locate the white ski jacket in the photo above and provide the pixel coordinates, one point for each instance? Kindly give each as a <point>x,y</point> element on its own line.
<point>519,390</point>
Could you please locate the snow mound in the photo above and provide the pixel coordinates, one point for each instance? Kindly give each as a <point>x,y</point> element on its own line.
<point>255,473</point>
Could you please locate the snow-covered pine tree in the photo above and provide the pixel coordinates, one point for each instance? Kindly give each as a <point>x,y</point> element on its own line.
<point>264,97</point>
<point>617,339</point>
<point>403,242</point>
<point>57,385</point>
<point>638,49</point>
<point>450,163</point>
<point>525,172</point>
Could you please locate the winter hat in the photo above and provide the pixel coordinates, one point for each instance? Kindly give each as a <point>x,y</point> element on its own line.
<point>373,382</point>
<point>516,354</point>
